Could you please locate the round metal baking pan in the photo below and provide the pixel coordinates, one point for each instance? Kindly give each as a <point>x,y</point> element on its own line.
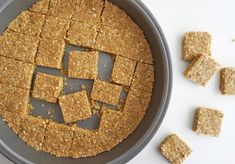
<point>15,150</point>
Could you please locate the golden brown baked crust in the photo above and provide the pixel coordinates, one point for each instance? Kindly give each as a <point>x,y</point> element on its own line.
<point>14,99</point>
<point>201,69</point>
<point>112,16</point>
<point>75,106</point>
<point>208,121</point>
<point>133,44</point>
<point>16,73</point>
<point>82,34</point>
<point>196,43</point>
<point>32,130</point>
<point>41,6</point>
<point>58,139</point>
<point>108,39</point>
<point>18,46</point>
<point>88,11</point>
<point>55,28</point>
<point>39,36</point>
<point>174,149</point>
<point>106,92</point>
<point>50,53</point>
<point>88,143</point>
<point>28,23</point>
<point>123,70</point>
<point>83,65</point>
<point>143,77</point>
<point>13,120</point>
<point>47,87</point>
<point>227,81</point>
<point>62,8</point>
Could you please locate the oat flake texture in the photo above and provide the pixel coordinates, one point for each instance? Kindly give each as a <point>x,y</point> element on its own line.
<point>38,37</point>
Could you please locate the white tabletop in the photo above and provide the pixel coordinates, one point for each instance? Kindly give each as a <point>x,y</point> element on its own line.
<point>175,18</point>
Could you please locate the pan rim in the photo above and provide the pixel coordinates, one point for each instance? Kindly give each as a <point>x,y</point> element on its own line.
<point>152,129</point>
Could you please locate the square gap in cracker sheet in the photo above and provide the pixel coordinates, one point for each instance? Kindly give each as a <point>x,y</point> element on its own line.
<point>53,111</point>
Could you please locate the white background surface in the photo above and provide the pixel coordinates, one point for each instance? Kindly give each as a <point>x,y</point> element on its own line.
<point>175,18</point>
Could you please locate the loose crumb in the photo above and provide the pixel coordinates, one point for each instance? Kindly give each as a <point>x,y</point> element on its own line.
<point>83,87</point>
<point>50,112</point>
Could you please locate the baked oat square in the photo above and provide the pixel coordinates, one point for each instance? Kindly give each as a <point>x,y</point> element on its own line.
<point>137,102</point>
<point>106,92</point>
<point>88,11</point>
<point>227,81</point>
<point>50,53</point>
<point>123,70</point>
<point>47,87</point>
<point>28,23</point>
<point>62,8</point>
<point>58,139</point>
<point>55,28</point>
<point>41,6</point>
<point>112,125</point>
<point>13,120</point>
<point>134,45</point>
<point>14,99</point>
<point>83,65</point>
<point>112,16</point>
<point>208,121</point>
<point>143,78</point>
<point>82,34</point>
<point>16,73</point>
<point>201,69</point>
<point>135,107</point>
<point>175,149</point>
<point>18,46</point>
<point>33,130</point>
<point>75,107</point>
<point>87,143</point>
<point>108,39</point>
<point>196,43</point>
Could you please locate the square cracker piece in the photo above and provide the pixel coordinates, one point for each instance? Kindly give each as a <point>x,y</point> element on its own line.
<point>106,92</point>
<point>88,11</point>
<point>41,6</point>
<point>143,78</point>
<point>33,131</point>
<point>47,87</point>
<point>18,46</point>
<point>174,149</point>
<point>201,69</point>
<point>55,28</point>
<point>113,126</point>
<point>75,107</point>
<point>208,121</point>
<point>134,45</point>
<point>82,34</point>
<point>28,23</point>
<point>50,53</point>
<point>83,65</point>
<point>113,16</point>
<point>58,139</point>
<point>62,8</point>
<point>88,143</point>
<point>13,120</point>
<point>123,70</point>
<point>108,40</point>
<point>227,81</point>
<point>135,107</point>
<point>14,99</point>
<point>16,73</point>
<point>196,43</point>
